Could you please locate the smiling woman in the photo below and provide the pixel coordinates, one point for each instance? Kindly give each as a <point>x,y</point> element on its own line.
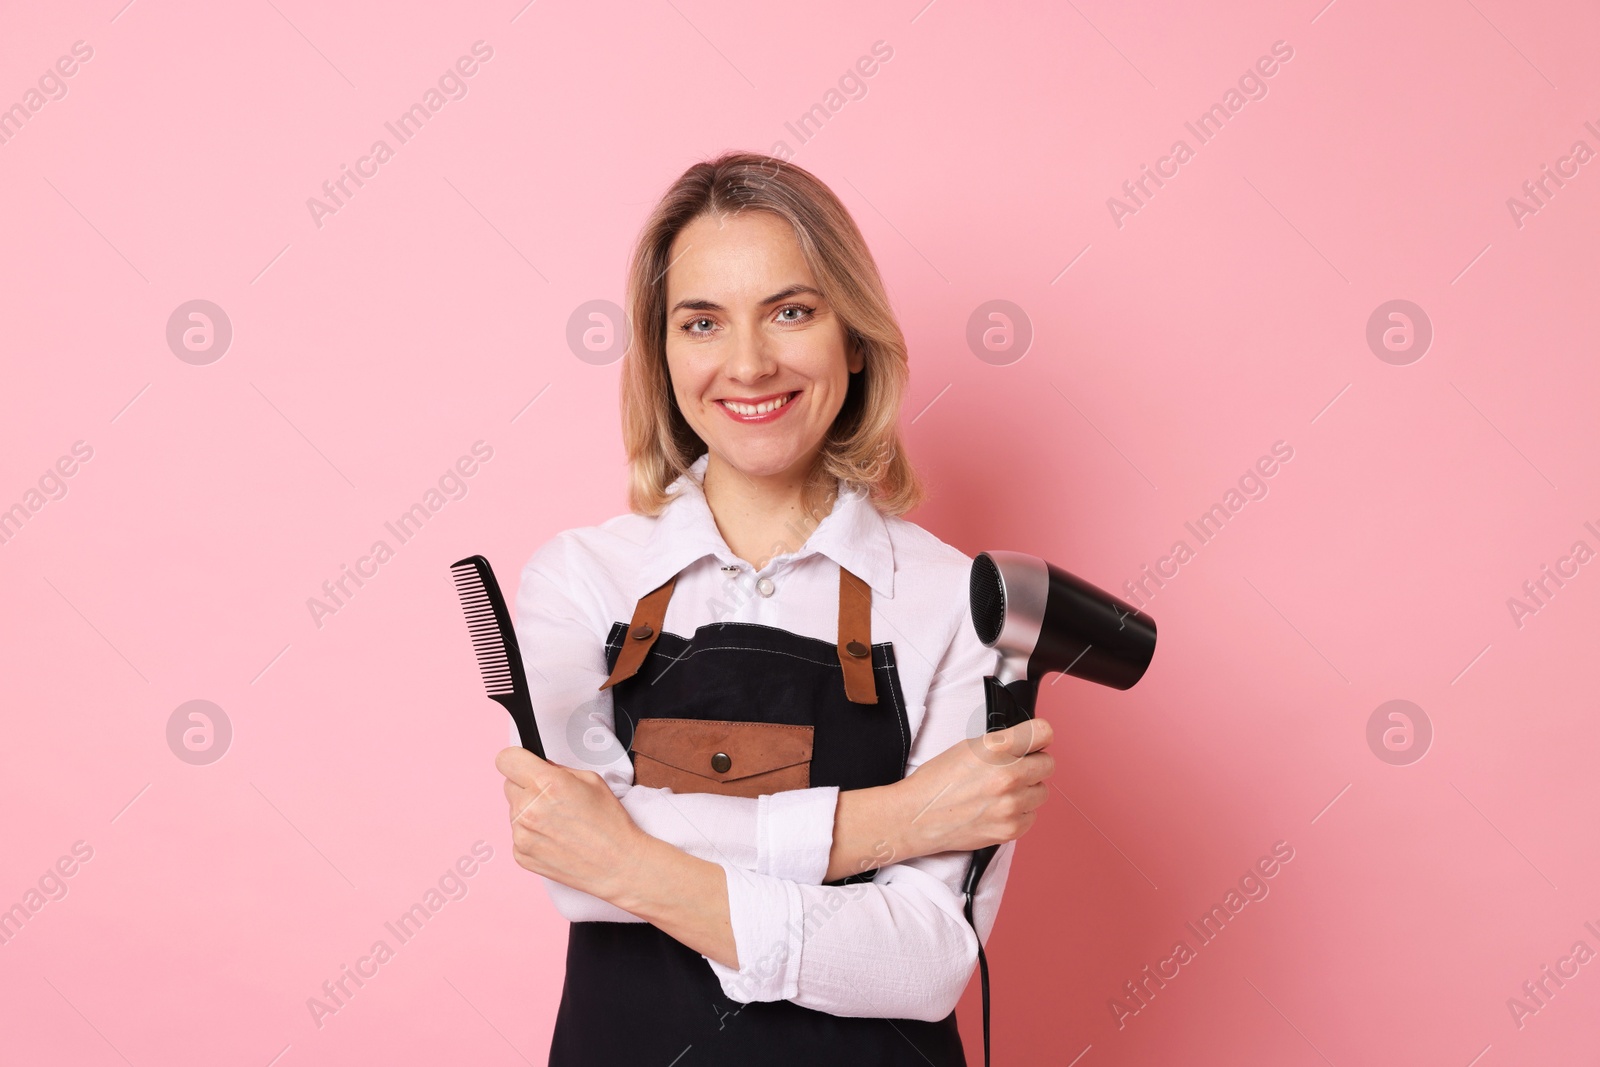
<point>763,848</point>
<point>759,375</point>
<point>765,267</point>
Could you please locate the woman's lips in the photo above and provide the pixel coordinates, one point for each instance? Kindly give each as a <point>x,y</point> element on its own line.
<point>766,417</point>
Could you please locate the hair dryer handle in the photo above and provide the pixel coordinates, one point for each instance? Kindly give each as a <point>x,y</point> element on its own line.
<point>1006,706</point>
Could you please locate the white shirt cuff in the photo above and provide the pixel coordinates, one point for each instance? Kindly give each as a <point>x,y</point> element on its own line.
<point>764,913</point>
<point>794,833</point>
<point>575,905</point>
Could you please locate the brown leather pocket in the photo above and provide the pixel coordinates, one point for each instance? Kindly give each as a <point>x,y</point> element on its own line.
<point>740,759</point>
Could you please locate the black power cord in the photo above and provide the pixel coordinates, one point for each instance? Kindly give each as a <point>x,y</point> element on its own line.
<point>983,972</point>
<point>1002,710</point>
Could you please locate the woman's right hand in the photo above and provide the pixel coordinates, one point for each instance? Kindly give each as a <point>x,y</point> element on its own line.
<point>981,791</point>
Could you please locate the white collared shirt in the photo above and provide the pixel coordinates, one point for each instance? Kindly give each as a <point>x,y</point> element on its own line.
<point>898,947</point>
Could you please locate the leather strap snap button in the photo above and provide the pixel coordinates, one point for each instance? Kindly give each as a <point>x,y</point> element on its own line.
<point>721,762</point>
<point>856,648</point>
<point>641,632</point>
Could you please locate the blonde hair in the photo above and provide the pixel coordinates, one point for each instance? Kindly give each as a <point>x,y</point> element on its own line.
<point>863,445</point>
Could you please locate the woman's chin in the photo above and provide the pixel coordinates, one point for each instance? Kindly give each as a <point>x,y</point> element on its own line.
<point>761,463</point>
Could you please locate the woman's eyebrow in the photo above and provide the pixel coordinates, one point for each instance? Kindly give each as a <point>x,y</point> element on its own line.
<point>711,305</point>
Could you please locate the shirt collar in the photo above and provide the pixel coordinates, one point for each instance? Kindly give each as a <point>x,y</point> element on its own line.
<point>854,535</point>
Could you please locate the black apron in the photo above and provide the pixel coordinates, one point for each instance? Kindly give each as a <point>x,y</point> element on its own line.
<point>633,994</point>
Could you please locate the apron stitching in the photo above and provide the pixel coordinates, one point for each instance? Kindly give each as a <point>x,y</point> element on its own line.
<point>675,661</point>
<point>721,623</point>
<point>618,642</point>
<point>691,653</point>
<point>900,721</point>
<point>819,662</point>
<point>899,713</point>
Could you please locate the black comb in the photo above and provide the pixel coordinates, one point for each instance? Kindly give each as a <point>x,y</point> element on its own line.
<point>495,643</point>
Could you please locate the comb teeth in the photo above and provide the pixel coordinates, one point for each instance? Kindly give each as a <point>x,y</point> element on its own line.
<point>494,664</point>
<point>494,642</point>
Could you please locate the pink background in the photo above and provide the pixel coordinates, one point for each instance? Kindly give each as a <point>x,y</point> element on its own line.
<point>1169,353</point>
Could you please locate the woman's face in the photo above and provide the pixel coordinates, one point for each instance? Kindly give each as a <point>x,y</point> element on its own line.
<point>746,326</point>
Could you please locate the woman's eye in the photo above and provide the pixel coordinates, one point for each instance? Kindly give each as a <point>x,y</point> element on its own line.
<point>801,313</point>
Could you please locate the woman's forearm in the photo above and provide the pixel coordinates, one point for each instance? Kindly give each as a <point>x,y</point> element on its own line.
<point>871,828</point>
<point>686,897</point>
<point>682,895</point>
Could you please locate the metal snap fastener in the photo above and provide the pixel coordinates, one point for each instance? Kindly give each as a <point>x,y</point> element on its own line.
<point>720,762</point>
<point>764,586</point>
<point>857,649</point>
<point>641,632</point>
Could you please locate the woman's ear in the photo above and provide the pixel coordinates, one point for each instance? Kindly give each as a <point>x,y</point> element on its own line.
<point>857,358</point>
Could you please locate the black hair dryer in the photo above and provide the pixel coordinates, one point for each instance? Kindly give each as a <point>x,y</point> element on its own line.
<point>1043,619</point>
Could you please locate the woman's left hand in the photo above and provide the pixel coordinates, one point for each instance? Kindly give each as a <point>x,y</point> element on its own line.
<point>567,825</point>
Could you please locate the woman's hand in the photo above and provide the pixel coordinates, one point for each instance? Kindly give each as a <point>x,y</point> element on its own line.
<point>981,791</point>
<point>567,825</point>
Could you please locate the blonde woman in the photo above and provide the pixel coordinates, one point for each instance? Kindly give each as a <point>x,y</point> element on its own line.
<point>760,689</point>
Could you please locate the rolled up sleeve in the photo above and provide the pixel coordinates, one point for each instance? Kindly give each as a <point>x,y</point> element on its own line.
<point>900,946</point>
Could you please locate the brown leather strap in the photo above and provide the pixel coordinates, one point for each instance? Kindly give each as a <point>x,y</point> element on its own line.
<point>642,633</point>
<point>855,638</point>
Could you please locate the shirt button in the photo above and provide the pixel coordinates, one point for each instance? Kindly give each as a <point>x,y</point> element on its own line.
<point>764,586</point>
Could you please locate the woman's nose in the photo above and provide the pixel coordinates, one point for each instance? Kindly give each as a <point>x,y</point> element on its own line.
<point>750,355</point>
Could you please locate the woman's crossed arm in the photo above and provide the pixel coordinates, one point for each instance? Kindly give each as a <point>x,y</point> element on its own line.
<point>897,947</point>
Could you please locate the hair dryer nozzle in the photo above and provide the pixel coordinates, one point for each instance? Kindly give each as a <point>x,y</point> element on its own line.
<point>1044,619</point>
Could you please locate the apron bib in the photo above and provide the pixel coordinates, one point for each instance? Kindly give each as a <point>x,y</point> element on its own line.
<point>633,994</point>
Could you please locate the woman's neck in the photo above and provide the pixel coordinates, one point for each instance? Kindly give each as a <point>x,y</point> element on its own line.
<point>761,518</point>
